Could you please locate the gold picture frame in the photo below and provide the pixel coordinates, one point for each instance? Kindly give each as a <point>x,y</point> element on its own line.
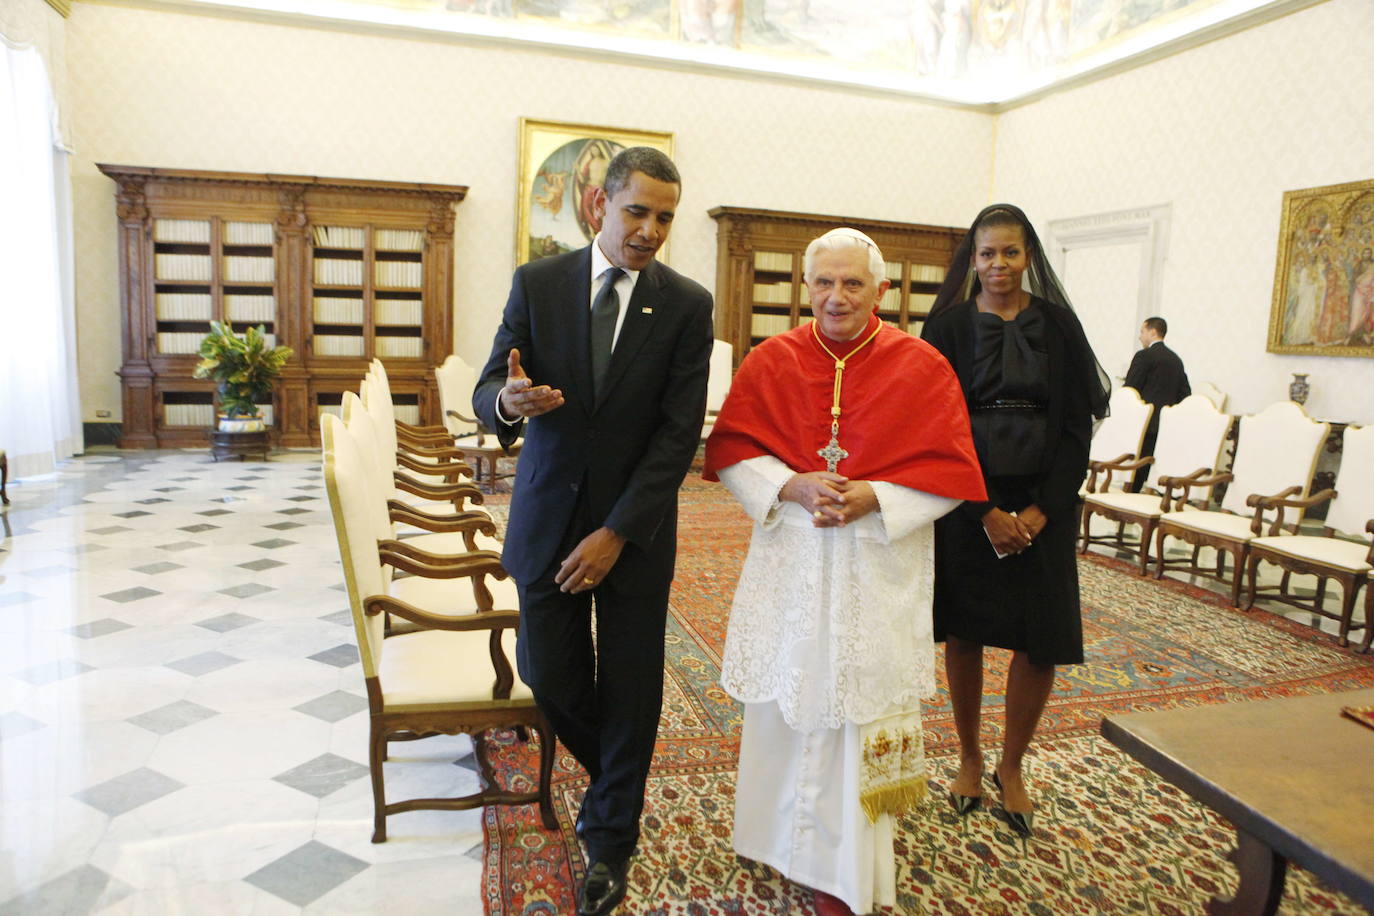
<point>1324,276</point>
<point>560,166</point>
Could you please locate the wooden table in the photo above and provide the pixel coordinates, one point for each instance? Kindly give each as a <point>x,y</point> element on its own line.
<point>1292,775</point>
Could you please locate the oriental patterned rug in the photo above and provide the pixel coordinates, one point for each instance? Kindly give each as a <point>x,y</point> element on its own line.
<point>1110,837</point>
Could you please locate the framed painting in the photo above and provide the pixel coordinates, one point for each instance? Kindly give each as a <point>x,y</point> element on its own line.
<point>1324,277</point>
<point>561,166</point>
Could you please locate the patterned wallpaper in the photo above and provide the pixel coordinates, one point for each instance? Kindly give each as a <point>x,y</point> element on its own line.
<point>1220,132</point>
<point>193,91</point>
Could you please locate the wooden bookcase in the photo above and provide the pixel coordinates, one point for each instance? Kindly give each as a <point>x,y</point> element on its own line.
<point>759,288</point>
<point>340,270</point>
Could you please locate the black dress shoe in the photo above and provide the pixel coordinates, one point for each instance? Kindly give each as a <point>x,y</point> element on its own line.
<point>603,890</point>
<point>580,825</point>
<point>1020,820</point>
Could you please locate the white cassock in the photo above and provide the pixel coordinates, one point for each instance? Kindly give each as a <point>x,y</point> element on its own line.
<point>830,635</point>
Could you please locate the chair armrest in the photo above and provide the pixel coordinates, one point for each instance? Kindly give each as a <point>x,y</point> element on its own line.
<point>447,458</point>
<point>420,562</point>
<point>420,432</point>
<point>481,429</point>
<point>1198,478</point>
<point>1369,529</point>
<point>1122,462</point>
<point>482,620</point>
<point>1259,502</point>
<point>471,520</point>
<point>454,493</point>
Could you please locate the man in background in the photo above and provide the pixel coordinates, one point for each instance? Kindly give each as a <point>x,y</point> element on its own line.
<point>1157,374</point>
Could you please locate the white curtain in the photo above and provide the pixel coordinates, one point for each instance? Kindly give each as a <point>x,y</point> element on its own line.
<point>40,416</point>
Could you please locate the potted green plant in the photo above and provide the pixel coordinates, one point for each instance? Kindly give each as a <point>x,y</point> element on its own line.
<point>245,368</point>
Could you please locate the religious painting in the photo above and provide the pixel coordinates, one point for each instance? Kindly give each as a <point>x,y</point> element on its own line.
<point>1324,278</point>
<point>650,18</point>
<point>561,167</point>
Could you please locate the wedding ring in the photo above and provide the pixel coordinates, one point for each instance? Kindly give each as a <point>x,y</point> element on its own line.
<point>588,581</point>
<point>818,514</point>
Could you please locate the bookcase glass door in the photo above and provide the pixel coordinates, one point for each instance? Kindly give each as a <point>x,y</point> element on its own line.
<point>211,270</point>
<point>777,285</point>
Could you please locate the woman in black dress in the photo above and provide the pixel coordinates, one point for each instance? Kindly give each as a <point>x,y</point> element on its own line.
<point>1005,572</point>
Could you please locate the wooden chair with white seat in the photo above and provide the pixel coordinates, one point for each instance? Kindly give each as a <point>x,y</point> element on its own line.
<point>1191,434</point>
<point>412,462</point>
<point>450,675</point>
<point>1212,393</point>
<point>1327,556</point>
<point>721,373</point>
<point>1118,437</point>
<point>439,509</point>
<point>456,380</point>
<point>1276,455</point>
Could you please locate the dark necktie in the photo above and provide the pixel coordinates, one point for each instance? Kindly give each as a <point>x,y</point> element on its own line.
<point>605,310</point>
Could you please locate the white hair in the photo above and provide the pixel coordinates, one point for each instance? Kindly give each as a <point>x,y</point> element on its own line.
<point>838,240</point>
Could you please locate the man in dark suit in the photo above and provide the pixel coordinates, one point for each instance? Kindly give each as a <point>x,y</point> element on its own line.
<point>1157,373</point>
<point>601,360</point>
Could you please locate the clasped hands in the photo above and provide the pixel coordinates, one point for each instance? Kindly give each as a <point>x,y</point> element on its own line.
<point>832,499</point>
<point>521,397</point>
<point>1014,533</point>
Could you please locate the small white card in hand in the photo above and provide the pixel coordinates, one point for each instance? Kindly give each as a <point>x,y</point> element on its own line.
<point>1000,554</point>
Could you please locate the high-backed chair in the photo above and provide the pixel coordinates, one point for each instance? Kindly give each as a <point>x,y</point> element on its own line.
<point>1119,436</point>
<point>721,372</point>
<point>455,380</point>
<point>1212,393</point>
<point>1276,455</point>
<point>438,508</point>
<point>1191,434</point>
<point>1351,512</point>
<point>413,460</point>
<point>450,675</point>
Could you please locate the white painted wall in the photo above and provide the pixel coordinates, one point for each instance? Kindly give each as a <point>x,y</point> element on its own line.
<point>194,91</point>
<point>1219,132</point>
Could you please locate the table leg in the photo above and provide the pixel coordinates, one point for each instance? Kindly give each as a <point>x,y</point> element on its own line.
<point>1262,873</point>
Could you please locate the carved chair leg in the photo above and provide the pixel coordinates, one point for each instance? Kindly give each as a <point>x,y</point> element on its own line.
<point>4,478</point>
<point>1349,587</point>
<point>377,754</point>
<point>1283,582</point>
<point>1368,615</point>
<point>1237,563</point>
<point>1147,530</point>
<point>1087,516</point>
<point>1252,571</point>
<point>1319,602</point>
<point>1159,553</point>
<point>1221,566</point>
<point>484,770</point>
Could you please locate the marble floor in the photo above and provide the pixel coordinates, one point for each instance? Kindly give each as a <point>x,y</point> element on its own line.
<point>182,713</point>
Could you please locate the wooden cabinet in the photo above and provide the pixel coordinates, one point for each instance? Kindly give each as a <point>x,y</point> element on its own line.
<point>759,288</point>
<point>340,270</point>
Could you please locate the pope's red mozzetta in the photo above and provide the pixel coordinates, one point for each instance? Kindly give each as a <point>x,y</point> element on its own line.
<point>903,417</point>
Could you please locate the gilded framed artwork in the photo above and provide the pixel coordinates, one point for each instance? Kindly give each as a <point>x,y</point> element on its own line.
<point>561,166</point>
<point>1324,277</point>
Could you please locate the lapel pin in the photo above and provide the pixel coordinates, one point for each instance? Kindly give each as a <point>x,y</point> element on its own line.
<point>647,311</point>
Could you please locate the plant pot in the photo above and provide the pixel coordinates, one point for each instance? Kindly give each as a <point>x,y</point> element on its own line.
<point>241,424</point>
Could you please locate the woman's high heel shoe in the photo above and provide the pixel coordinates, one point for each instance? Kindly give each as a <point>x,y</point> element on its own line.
<point>1020,820</point>
<point>965,805</point>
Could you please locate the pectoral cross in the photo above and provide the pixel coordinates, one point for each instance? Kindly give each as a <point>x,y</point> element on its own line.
<point>832,453</point>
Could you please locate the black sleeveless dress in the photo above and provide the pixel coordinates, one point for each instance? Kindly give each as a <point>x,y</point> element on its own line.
<point>1031,433</point>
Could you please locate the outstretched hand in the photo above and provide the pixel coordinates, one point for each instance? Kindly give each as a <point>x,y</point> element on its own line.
<point>521,397</point>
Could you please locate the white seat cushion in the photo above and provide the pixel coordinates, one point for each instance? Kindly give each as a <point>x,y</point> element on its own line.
<point>1349,555</point>
<point>1145,505</point>
<point>452,596</point>
<point>443,667</point>
<point>1236,527</point>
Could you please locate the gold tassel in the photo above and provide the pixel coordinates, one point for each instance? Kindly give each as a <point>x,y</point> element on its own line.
<point>895,798</point>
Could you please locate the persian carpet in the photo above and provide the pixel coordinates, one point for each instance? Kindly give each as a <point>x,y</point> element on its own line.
<point>1110,837</point>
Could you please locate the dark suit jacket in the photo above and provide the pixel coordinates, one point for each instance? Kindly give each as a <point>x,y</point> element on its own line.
<point>1157,373</point>
<point>630,449</point>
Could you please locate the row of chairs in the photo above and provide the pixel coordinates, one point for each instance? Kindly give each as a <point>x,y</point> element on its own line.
<point>1258,516</point>
<point>434,611</point>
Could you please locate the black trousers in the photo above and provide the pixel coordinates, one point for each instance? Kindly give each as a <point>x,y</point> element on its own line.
<point>603,693</point>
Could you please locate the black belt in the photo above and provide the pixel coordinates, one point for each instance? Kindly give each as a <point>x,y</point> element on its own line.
<point>1009,404</point>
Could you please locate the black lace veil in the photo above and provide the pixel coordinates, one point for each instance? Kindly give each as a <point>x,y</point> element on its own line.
<point>961,284</point>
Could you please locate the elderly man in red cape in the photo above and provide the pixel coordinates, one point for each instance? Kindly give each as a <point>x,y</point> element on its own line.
<point>844,440</point>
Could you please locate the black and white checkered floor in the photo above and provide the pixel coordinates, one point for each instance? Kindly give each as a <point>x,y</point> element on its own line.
<point>182,713</point>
